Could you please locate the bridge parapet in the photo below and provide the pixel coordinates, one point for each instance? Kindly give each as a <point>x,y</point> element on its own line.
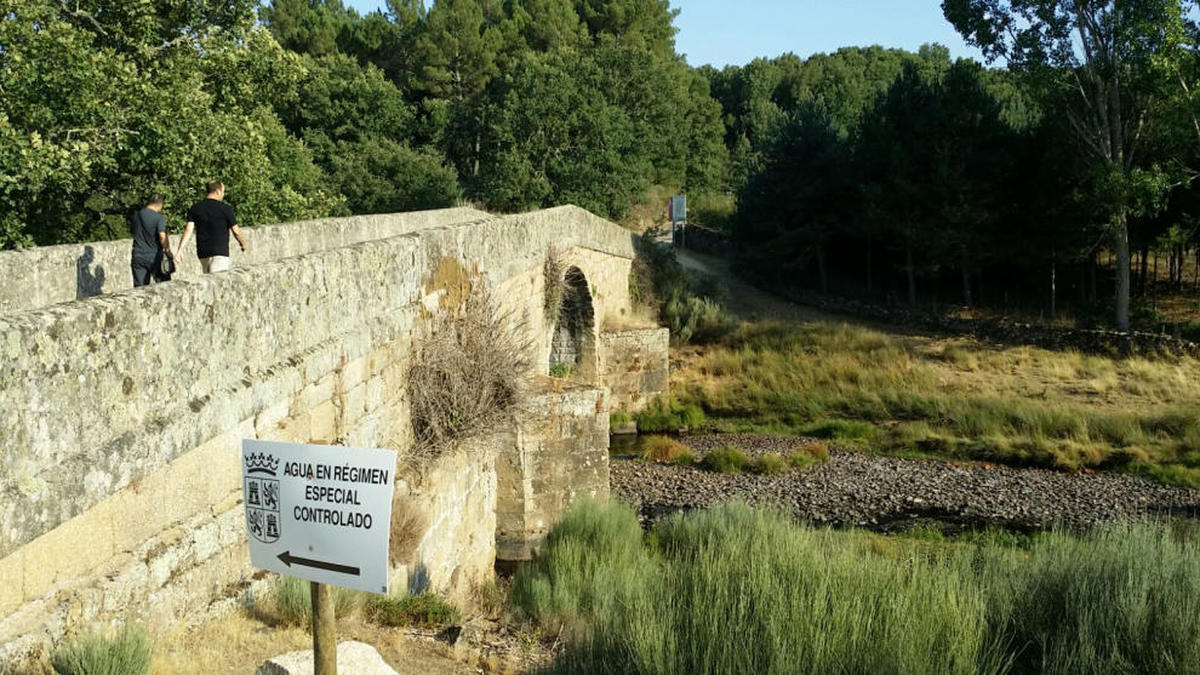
<point>54,274</point>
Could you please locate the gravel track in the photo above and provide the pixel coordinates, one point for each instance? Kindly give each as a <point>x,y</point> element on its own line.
<point>883,493</point>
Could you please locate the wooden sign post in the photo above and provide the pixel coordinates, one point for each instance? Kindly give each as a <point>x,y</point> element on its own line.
<point>324,630</point>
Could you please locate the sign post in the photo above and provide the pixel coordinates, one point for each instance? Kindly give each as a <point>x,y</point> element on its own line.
<point>324,630</point>
<point>323,514</point>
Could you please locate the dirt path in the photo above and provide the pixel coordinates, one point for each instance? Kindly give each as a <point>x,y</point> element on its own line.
<point>746,301</point>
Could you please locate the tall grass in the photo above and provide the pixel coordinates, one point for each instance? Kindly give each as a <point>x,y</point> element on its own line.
<point>897,395</point>
<point>125,653</point>
<point>292,600</point>
<point>733,590</point>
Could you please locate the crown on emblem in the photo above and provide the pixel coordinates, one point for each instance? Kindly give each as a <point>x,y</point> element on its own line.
<point>261,462</point>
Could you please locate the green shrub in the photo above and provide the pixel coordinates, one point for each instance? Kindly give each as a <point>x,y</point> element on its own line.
<point>618,419</point>
<point>561,370</point>
<point>769,464</point>
<point>126,653</point>
<point>696,319</point>
<point>669,416</point>
<point>1123,600</point>
<point>712,209</point>
<point>725,459</point>
<point>590,561</point>
<point>292,598</point>
<point>818,451</point>
<point>685,458</point>
<point>841,430</point>
<point>690,306</point>
<point>662,449</point>
<point>423,611</point>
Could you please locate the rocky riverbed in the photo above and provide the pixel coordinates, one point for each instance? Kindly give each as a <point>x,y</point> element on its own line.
<point>884,493</point>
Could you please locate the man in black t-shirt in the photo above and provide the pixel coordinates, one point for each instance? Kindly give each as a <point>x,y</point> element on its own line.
<point>150,242</point>
<point>213,221</point>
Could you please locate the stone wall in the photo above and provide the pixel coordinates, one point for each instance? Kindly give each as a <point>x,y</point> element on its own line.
<point>53,274</point>
<point>560,455</point>
<point>454,502</point>
<point>123,414</point>
<point>635,365</point>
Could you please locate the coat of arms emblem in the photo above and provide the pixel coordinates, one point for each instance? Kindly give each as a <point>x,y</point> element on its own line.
<point>262,497</point>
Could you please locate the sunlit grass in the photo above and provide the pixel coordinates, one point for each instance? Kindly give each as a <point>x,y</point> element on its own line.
<point>950,398</point>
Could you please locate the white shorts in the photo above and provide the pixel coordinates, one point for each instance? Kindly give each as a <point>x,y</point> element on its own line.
<point>217,263</point>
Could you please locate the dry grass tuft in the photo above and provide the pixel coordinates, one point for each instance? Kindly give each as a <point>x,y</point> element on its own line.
<point>409,524</point>
<point>467,374</point>
<point>662,449</point>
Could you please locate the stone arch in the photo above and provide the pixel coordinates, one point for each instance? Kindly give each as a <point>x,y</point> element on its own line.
<point>572,345</point>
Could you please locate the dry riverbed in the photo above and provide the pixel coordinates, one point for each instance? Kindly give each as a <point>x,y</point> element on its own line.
<point>884,493</point>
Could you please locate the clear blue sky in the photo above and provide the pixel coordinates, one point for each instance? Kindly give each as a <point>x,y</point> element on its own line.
<point>723,32</point>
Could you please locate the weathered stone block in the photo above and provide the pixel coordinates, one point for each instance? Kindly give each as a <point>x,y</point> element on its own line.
<point>68,551</point>
<point>12,582</point>
<point>323,423</point>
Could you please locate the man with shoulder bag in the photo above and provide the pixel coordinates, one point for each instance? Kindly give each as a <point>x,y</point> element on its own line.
<point>151,256</point>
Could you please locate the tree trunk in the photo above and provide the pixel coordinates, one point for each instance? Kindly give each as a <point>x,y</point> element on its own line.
<point>966,275</point>
<point>821,271</point>
<point>1092,295</point>
<point>1053,287</point>
<point>1142,276</point>
<point>870,278</point>
<point>1196,277</point>
<point>908,268</point>
<point>1082,283</point>
<point>1155,277</point>
<point>1122,291</point>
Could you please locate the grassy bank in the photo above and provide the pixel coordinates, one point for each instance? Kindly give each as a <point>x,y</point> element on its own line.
<point>731,590</point>
<point>948,398</point>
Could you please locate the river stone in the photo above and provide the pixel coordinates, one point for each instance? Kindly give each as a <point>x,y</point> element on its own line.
<point>353,658</point>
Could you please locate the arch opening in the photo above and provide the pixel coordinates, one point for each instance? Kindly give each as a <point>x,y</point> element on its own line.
<point>571,343</point>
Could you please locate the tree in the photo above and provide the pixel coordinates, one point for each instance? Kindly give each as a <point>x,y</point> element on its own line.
<point>99,108</point>
<point>797,200</point>
<point>1113,56</point>
<point>547,136</point>
<point>308,26</point>
<point>896,150</point>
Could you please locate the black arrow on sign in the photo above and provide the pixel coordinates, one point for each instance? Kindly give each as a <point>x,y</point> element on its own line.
<point>288,559</point>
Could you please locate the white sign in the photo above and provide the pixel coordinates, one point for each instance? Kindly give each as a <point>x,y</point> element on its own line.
<point>319,512</point>
<point>679,209</point>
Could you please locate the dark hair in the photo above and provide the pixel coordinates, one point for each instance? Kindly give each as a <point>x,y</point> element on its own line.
<point>212,186</point>
<point>155,198</point>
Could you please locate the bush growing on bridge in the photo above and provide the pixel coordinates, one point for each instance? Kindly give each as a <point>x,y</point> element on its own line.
<point>468,372</point>
<point>554,269</point>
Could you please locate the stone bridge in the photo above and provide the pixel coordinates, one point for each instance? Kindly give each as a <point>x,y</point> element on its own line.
<point>122,410</point>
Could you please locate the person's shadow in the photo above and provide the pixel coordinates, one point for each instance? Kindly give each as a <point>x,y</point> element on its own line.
<point>88,282</point>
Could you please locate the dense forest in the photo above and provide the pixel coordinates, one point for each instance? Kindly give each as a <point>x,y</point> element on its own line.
<point>1058,173</point>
